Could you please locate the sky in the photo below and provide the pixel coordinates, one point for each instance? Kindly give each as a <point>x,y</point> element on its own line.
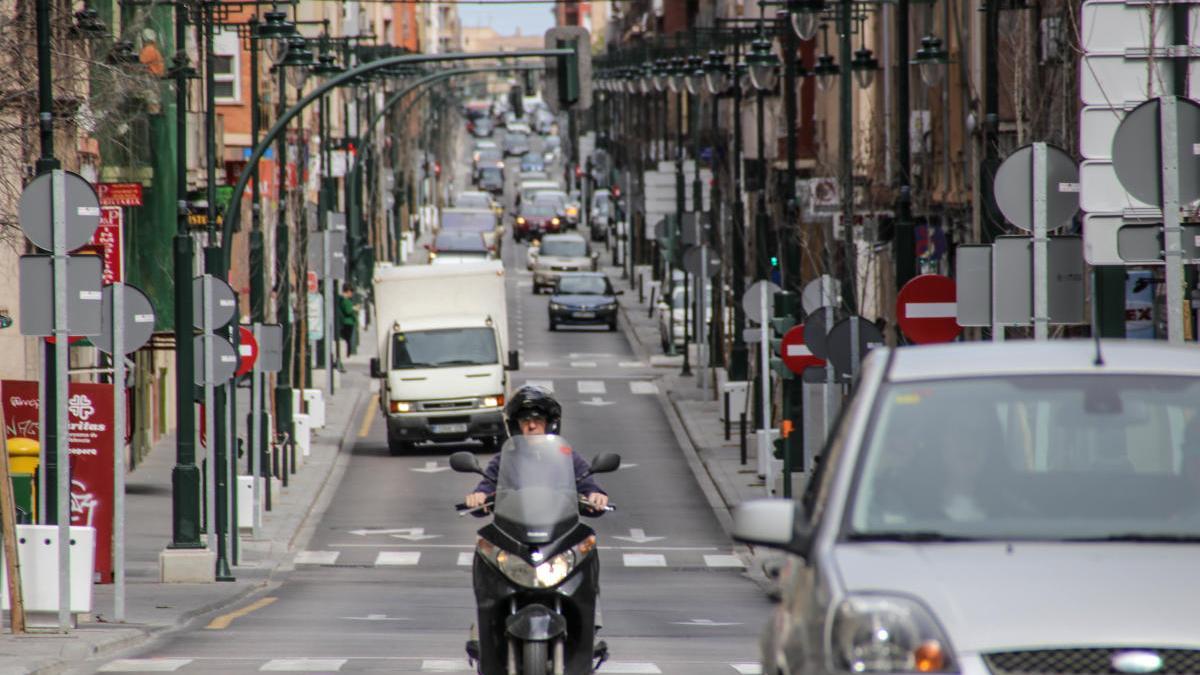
<point>506,19</point>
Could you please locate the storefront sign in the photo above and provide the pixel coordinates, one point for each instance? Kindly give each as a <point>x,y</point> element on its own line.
<point>119,194</point>
<point>108,241</point>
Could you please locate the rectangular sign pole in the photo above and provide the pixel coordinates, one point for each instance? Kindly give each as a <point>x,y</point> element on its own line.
<point>1172,227</point>
<point>331,345</point>
<point>118,533</point>
<point>210,472</point>
<point>230,468</point>
<point>1041,302</point>
<point>255,436</point>
<point>702,321</point>
<point>764,435</point>
<point>61,354</point>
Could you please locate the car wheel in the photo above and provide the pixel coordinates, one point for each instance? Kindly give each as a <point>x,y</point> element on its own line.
<point>553,325</point>
<point>397,447</point>
<point>612,325</point>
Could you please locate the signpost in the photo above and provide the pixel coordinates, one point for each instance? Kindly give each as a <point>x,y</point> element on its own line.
<point>796,354</point>
<point>247,351</point>
<point>849,341</point>
<point>926,309</point>
<point>757,302</point>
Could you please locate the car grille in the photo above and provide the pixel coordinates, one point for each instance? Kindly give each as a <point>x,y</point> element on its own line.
<point>1085,661</point>
<point>454,404</point>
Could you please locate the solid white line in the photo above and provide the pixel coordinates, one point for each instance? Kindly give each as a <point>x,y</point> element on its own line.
<point>316,557</point>
<point>719,560</point>
<point>304,665</point>
<point>591,387</point>
<point>396,558</point>
<point>643,387</point>
<point>645,560</point>
<point>144,665</point>
<point>465,558</point>
<point>931,310</point>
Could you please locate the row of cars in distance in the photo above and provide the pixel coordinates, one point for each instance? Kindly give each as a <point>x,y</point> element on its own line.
<point>471,231</point>
<point>997,508</point>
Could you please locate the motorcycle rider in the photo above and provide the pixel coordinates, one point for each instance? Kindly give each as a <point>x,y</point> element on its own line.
<point>532,410</point>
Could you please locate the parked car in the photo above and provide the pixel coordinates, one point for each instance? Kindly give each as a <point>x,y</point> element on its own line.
<point>534,220</point>
<point>672,316</point>
<point>515,143</point>
<point>559,253</point>
<point>491,179</point>
<point>585,298</point>
<point>1020,507</point>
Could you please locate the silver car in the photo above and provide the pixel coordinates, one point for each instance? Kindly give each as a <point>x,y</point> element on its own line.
<point>998,509</point>
<point>560,253</point>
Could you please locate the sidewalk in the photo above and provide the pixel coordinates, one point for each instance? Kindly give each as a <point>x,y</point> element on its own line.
<point>698,420</point>
<point>153,608</point>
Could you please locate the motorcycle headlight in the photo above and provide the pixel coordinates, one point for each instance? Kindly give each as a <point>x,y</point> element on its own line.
<point>873,633</point>
<point>546,575</point>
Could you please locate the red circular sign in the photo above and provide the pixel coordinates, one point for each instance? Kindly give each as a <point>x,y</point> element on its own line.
<point>795,354</point>
<point>247,350</point>
<point>312,281</point>
<point>927,311</point>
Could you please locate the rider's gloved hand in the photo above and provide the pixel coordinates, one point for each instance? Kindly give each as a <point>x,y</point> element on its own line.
<point>597,500</point>
<point>475,499</point>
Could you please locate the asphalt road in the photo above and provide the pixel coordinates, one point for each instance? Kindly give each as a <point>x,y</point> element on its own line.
<point>384,585</point>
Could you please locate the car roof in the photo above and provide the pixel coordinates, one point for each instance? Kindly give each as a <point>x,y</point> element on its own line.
<point>1064,357</point>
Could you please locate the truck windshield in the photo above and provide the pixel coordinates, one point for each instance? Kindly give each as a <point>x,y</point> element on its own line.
<point>443,348</point>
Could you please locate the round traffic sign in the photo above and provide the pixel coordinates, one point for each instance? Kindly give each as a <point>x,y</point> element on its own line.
<point>816,333</point>
<point>139,319</point>
<point>840,343</point>
<point>82,213</point>
<point>1137,155</point>
<point>223,302</point>
<point>225,359</point>
<point>694,257</point>
<point>927,311</point>
<point>752,298</point>
<point>247,350</point>
<point>312,280</point>
<point>824,291</point>
<point>796,355</point>
<point>1013,187</point>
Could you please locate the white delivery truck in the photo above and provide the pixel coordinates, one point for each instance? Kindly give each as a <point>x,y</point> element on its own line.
<point>443,352</point>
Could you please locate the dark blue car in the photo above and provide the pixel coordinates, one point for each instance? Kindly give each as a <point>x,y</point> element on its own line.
<point>583,299</point>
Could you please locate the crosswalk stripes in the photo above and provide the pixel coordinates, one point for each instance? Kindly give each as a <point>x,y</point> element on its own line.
<point>747,668</point>
<point>643,387</point>
<point>303,665</point>
<point>465,558</point>
<point>591,386</point>
<point>645,560</point>
<point>583,364</point>
<point>723,561</point>
<point>144,665</point>
<point>630,667</point>
<point>317,557</point>
<point>537,364</point>
<point>444,666</point>
<point>397,558</point>
<point>631,364</point>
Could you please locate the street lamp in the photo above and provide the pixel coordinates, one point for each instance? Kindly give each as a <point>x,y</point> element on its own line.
<point>661,74</point>
<point>825,70</point>
<point>695,75</point>
<point>296,60</point>
<point>763,65</point>
<point>930,58</point>
<point>863,65</point>
<point>716,73</point>
<point>805,17</point>
<point>677,72</point>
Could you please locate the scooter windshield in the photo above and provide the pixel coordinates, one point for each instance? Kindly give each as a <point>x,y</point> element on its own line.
<point>536,499</point>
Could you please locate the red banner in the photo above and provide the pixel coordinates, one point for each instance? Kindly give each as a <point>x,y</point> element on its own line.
<point>119,194</point>
<point>108,240</point>
<point>90,421</point>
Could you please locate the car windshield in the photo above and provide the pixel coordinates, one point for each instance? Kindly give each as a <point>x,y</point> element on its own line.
<point>583,285</point>
<point>469,222</point>
<point>459,241</point>
<point>473,201</point>
<point>492,174</point>
<point>443,348</point>
<point>1038,457</point>
<point>564,248</point>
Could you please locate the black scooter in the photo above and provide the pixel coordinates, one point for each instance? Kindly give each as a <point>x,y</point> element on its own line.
<point>536,569</point>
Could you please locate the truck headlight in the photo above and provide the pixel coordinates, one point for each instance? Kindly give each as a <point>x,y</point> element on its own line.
<point>493,401</point>
<point>402,406</point>
<point>881,633</point>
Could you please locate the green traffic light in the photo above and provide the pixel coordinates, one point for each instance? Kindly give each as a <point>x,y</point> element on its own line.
<point>774,261</point>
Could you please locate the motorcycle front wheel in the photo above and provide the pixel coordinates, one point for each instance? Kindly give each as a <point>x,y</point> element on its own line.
<point>534,658</point>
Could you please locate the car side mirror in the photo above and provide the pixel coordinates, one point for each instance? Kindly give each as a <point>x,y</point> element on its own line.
<point>465,462</point>
<point>376,371</point>
<point>773,523</point>
<point>514,360</point>
<point>606,463</point>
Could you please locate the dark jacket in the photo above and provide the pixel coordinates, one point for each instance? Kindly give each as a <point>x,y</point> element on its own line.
<point>585,486</point>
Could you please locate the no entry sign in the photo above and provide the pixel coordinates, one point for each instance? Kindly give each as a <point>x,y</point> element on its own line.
<point>247,350</point>
<point>795,354</point>
<point>926,309</point>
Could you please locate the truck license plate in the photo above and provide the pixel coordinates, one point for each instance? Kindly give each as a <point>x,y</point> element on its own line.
<point>448,428</point>
<point>585,315</point>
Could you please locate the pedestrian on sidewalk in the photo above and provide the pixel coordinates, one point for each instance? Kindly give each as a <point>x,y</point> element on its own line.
<point>347,321</point>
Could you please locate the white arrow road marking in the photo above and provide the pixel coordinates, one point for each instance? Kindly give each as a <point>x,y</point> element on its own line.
<point>431,467</point>
<point>397,558</point>
<point>591,386</point>
<point>376,617</point>
<point>644,559</point>
<point>931,310</point>
<point>747,668</point>
<point>642,387</point>
<point>393,531</point>
<point>798,350</point>
<point>705,622</point>
<point>638,536</point>
<point>630,667</point>
<point>304,665</point>
<point>596,400</point>
<point>583,364</point>
<point>546,384</point>
<point>416,534</point>
<point>316,557</point>
<point>717,560</point>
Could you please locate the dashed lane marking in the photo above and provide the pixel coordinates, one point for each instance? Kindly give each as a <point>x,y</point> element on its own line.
<point>445,666</point>
<point>583,364</point>
<point>303,665</point>
<point>222,622</point>
<point>718,560</point>
<point>644,560</point>
<point>643,387</point>
<point>632,364</point>
<point>317,557</point>
<point>368,417</point>
<point>591,386</point>
<point>144,665</point>
<point>397,558</point>
<point>632,667</point>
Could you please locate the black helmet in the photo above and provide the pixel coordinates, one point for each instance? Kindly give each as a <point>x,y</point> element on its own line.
<point>536,400</point>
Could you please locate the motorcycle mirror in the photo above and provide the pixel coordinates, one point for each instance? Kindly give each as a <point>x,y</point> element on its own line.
<point>606,463</point>
<point>465,462</point>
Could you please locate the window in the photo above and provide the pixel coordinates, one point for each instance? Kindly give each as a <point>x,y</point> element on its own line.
<point>227,75</point>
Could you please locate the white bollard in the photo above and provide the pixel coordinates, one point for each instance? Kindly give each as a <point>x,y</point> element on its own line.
<point>302,431</point>
<point>37,549</point>
<point>314,406</point>
<point>249,509</point>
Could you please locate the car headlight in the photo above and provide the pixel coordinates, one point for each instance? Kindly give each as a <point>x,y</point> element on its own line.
<point>554,220</point>
<point>555,305</point>
<point>493,401</point>
<point>402,406</point>
<point>520,220</point>
<point>546,575</point>
<point>875,633</point>
<point>609,305</point>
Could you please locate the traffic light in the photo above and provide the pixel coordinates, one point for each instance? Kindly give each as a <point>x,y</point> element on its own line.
<point>569,76</point>
<point>781,322</point>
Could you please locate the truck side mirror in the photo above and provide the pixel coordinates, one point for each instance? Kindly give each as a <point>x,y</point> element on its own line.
<point>514,360</point>
<point>376,371</point>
